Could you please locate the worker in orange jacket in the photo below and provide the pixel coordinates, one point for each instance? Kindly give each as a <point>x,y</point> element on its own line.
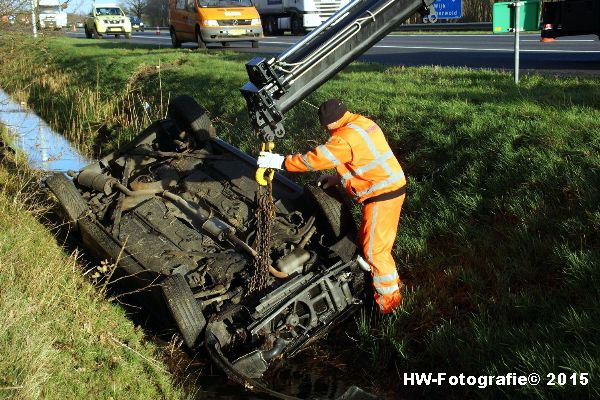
<point>368,170</point>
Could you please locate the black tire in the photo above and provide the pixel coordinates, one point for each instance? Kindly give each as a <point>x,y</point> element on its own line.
<point>270,27</point>
<point>96,34</point>
<point>255,44</point>
<point>201,44</point>
<point>174,41</point>
<point>68,196</point>
<point>336,215</point>
<point>266,25</point>
<point>297,28</point>
<point>88,34</point>
<point>192,118</point>
<point>184,308</point>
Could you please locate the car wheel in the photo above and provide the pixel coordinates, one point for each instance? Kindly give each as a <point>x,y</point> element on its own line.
<point>201,44</point>
<point>69,198</point>
<point>192,118</point>
<point>184,308</point>
<point>96,34</point>
<point>174,41</point>
<point>255,44</point>
<point>128,35</point>
<point>88,34</point>
<point>336,216</point>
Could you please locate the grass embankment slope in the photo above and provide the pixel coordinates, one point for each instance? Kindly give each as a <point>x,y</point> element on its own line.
<point>499,243</point>
<point>59,337</point>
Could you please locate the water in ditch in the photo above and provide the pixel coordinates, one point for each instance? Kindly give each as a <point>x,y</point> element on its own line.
<point>317,373</point>
<point>44,148</point>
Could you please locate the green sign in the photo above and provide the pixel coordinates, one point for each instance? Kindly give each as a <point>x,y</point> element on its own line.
<point>504,16</point>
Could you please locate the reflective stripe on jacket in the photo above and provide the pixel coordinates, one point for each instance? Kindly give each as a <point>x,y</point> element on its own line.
<point>361,155</point>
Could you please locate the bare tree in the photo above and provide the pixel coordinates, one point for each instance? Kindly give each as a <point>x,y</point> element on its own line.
<point>478,10</point>
<point>77,5</point>
<point>136,7</point>
<point>157,12</point>
<point>11,7</point>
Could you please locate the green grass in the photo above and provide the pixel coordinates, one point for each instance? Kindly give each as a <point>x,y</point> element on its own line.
<point>59,337</point>
<point>499,242</point>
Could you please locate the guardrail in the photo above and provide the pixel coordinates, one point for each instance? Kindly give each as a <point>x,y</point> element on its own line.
<point>456,26</point>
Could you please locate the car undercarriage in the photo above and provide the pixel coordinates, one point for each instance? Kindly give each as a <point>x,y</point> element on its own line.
<point>175,211</point>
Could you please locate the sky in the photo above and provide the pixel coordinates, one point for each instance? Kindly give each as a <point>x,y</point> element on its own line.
<point>84,6</point>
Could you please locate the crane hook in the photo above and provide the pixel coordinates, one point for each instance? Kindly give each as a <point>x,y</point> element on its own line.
<point>265,175</point>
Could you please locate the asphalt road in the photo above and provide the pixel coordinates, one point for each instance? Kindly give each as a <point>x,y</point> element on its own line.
<point>574,55</point>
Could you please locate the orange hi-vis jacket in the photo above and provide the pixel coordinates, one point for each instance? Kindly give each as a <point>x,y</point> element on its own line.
<point>361,155</point>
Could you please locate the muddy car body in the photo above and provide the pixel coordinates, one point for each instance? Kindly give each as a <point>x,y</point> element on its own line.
<point>175,211</point>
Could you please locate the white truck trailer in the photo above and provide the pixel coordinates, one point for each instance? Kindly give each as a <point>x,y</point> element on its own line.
<point>297,16</point>
<point>51,15</point>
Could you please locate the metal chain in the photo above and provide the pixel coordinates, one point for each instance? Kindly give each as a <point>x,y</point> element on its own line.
<point>265,214</point>
<point>310,104</point>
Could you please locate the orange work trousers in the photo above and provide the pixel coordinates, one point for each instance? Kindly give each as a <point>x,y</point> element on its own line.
<point>377,234</point>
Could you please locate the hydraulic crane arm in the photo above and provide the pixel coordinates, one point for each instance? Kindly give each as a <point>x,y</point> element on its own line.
<point>277,84</point>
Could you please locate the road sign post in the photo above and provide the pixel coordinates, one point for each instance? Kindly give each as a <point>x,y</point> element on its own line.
<point>514,17</point>
<point>517,5</point>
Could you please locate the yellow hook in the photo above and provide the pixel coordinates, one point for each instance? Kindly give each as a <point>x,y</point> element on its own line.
<point>265,175</point>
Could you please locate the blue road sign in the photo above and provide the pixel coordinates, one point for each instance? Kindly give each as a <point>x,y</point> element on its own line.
<point>448,9</point>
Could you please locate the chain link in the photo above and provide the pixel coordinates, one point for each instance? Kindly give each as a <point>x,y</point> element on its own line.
<point>265,214</point>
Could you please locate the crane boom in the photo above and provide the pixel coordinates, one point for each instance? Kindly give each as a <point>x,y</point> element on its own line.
<point>277,84</point>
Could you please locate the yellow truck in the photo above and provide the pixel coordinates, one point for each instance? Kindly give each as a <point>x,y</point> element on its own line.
<point>107,19</point>
<point>214,21</point>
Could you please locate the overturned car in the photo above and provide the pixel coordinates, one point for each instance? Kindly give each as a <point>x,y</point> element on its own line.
<point>175,210</point>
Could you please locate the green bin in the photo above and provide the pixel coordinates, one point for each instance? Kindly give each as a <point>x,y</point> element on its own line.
<point>504,16</point>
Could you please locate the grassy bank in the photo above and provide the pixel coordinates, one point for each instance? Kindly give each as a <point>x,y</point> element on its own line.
<point>499,243</point>
<point>59,338</point>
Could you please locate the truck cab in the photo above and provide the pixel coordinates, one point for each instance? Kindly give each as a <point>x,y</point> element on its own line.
<point>570,18</point>
<point>298,17</point>
<point>213,21</point>
<point>51,15</point>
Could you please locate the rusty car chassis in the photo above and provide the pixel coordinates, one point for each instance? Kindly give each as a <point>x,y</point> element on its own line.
<point>174,209</point>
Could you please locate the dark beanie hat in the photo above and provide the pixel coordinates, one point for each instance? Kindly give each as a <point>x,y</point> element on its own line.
<point>331,111</point>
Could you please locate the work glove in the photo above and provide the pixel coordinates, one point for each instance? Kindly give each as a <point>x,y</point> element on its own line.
<point>270,160</point>
<point>363,264</point>
<point>327,181</point>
